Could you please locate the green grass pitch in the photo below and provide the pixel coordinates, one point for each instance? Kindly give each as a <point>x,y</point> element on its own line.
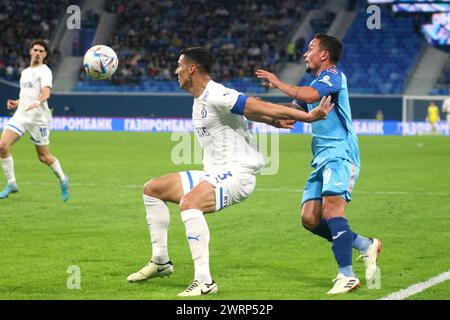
<point>258,249</point>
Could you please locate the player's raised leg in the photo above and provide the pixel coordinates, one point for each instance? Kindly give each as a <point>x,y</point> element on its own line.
<point>156,193</point>
<point>201,199</point>
<point>47,158</point>
<point>9,137</point>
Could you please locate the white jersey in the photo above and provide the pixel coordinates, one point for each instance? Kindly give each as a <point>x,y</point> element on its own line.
<point>32,81</point>
<point>223,131</point>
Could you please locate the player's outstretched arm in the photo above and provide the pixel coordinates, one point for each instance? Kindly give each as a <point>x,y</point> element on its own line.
<point>306,94</point>
<point>282,124</point>
<point>256,108</point>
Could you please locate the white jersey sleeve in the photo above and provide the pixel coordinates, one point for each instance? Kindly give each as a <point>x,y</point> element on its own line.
<point>46,77</point>
<point>227,100</point>
<point>223,131</point>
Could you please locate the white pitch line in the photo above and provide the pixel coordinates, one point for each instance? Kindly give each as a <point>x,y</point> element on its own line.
<point>137,186</point>
<point>418,287</point>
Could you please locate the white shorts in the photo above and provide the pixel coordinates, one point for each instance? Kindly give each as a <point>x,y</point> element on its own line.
<point>39,132</point>
<point>231,187</point>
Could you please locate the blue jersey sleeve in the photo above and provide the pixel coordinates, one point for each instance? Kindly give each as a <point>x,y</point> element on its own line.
<point>327,83</point>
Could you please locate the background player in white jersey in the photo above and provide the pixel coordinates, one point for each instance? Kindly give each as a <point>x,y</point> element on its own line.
<point>34,116</point>
<point>231,162</point>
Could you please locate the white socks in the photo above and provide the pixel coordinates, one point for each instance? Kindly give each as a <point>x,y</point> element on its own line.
<point>57,170</point>
<point>8,169</point>
<point>197,233</point>
<point>158,219</point>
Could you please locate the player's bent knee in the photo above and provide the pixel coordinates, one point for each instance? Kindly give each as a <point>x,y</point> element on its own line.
<point>327,210</point>
<point>309,222</point>
<point>331,210</point>
<point>153,188</point>
<point>190,201</point>
<point>186,203</point>
<point>42,158</point>
<point>46,159</point>
<point>4,148</point>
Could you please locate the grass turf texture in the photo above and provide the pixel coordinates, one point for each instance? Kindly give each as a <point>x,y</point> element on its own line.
<point>258,249</point>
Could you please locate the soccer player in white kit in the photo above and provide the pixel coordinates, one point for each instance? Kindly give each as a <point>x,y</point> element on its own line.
<point>32,116</point>
<point>231,162</point>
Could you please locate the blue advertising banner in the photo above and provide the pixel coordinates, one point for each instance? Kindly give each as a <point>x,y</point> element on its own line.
<point>362,127</point>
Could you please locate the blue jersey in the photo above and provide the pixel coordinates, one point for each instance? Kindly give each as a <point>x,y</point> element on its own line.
<point>334,137</point>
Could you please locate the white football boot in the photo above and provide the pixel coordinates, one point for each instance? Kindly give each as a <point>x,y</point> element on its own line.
<point>370,259</point>
<point>152,270</point>
<point>198,288</point>
<point>343,284</point>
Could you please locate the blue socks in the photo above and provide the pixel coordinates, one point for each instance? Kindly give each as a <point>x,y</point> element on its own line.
<point>344,240</point>
<point>358,242</point>
<point>342,237</point>
<point>322,230</point>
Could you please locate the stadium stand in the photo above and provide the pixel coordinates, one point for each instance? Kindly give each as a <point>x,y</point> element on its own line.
<point>21,22</point>
<point>242,36</point>
<point>443,84</point>
<point>378,61</point>
<point>89,22</point>
<point>322,25</point>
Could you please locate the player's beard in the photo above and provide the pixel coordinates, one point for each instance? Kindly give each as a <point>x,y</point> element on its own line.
<point>36,61</point>
<point>187,84</point>
<point>308,69</point>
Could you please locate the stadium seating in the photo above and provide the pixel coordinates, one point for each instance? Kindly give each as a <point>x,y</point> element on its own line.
<point>378,61</point>
<point>21,22</point>
<point>242,36</point>
<point>443,83</point>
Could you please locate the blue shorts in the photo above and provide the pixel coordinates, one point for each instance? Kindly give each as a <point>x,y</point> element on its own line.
<point>336,177</point>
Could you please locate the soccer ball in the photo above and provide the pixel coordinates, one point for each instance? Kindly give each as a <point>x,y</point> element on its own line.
<point>100,62</point>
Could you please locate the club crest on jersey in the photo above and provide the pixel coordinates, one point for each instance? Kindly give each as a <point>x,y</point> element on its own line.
<point>326,80</point>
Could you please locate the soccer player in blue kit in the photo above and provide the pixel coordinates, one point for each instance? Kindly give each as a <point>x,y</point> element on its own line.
<point>335,161</point>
